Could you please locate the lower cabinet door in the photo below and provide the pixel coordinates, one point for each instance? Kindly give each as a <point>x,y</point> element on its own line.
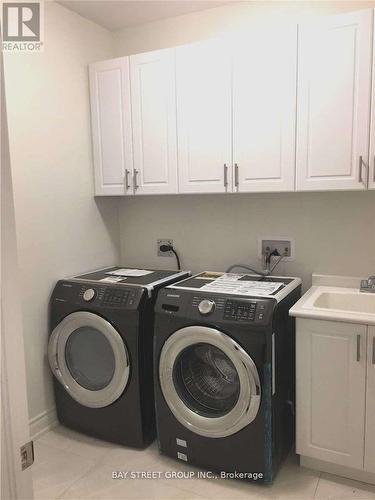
<point>331,390</point>
<point>370,403</point>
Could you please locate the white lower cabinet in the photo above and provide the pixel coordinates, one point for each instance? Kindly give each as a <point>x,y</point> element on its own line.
<point>370,403</point>
<point>331,393</point>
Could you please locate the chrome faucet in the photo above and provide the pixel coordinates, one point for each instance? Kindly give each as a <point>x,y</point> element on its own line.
<point>368,285</point>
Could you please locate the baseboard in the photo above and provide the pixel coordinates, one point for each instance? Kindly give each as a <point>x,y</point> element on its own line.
<point>337,470</point>
<point>43,422</point>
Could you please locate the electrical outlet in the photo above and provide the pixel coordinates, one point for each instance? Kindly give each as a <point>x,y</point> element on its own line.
<point>285,246</point>
<point>164,242</point>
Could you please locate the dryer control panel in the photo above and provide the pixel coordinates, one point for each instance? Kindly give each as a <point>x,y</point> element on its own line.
<point>93,295</point>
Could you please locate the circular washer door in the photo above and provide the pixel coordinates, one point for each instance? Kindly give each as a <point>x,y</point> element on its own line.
<point>89,358</point>
<point>209,382</point>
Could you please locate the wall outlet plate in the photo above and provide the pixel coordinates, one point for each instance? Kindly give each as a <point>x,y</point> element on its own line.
<point>281,243</point>
<point>164,242</point>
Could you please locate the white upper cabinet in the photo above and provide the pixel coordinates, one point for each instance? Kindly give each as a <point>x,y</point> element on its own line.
<point>153,98</point>
<point>264,109</point>
<point>370,403</point>
<point>204,117</point>
<point>333,108</point>
<point>372,136</point>
<point>111,126</point>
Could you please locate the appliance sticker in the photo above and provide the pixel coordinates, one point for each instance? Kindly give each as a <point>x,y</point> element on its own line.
<point>135,273</point>
<point>229,283</point>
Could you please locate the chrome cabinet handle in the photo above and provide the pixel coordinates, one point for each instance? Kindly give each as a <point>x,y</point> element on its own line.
<point>135,183</point>
<point>373,350</point>
<point>358,348</point>
<point>225,175</point>
<point>236,181</point>
<point>360,176</point>
<point>127,185</point>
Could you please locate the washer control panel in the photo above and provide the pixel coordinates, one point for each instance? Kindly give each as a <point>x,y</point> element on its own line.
<point>235,309</point>
<point>240,311</point>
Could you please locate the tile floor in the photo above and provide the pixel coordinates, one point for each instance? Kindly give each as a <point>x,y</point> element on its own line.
<point>72,466</point>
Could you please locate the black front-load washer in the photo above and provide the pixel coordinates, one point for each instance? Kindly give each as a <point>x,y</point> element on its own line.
<point>100,352</point>
<point>224,372</point>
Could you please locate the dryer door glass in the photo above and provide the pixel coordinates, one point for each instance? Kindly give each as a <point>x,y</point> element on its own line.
<point>210,383</point>
<point>207,380</point>
<point>89,358</point>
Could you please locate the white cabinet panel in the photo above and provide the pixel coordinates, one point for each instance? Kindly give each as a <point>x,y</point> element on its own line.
<point>333,110</point>
<point>154,122</point>
<point>264,109</point>
<point>111,125</point>
<point>331,385</point>
<point>372,135</point>
<point>370,403</point>
<point>204,121</point>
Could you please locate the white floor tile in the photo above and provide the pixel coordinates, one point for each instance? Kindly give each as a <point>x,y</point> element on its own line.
<point>54,470</point>
<point>99,484</point>
<point>335,487</point>
<point>73,466</point>
<point>74,442</point>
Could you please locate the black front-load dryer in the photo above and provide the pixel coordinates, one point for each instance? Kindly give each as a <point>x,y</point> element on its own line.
<point>224,372</point>
<point>100,352</point>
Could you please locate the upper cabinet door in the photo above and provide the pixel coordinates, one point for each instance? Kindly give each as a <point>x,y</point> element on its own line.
<point>111,126</point>
<point>204,117</point>
<point>264,109</point>
<point>372,135</point>
<point>370,403</point>
<point>153,97</point>
<point>334,92</point>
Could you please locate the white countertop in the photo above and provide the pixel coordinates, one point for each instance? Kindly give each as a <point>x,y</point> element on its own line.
<point>335,286</point>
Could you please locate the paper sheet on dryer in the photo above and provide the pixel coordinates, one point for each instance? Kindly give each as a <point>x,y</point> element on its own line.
<point>229,283</point>
<point>135,273</point>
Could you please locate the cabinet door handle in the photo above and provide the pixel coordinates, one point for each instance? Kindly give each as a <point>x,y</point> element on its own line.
<point>236,180</point>
<point>358,348</point>
<point>135,180</point>
<point>373,350</point>
<point>127,186</point>
<point>225,175</point>
<point>360,176</point>
<point>373,173</point>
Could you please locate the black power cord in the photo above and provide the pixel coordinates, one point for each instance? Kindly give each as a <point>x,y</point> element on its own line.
<point>169,248</point>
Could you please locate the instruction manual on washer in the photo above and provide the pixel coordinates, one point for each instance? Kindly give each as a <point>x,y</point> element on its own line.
<point>229,283</point>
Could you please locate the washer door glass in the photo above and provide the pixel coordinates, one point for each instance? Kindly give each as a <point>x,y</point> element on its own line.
<point>89,358</point>
<point>209,382</point>
<point>206,380</point>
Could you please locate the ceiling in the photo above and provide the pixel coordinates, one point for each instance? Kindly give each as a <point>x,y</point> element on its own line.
<point>115,15</point>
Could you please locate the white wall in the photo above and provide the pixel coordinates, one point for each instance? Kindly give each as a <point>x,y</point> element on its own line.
<point>62,230</point>
<point>334,232</point>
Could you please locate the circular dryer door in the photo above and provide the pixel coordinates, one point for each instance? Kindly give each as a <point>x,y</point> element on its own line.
<point>89,358</point>
<point>209,382</point>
